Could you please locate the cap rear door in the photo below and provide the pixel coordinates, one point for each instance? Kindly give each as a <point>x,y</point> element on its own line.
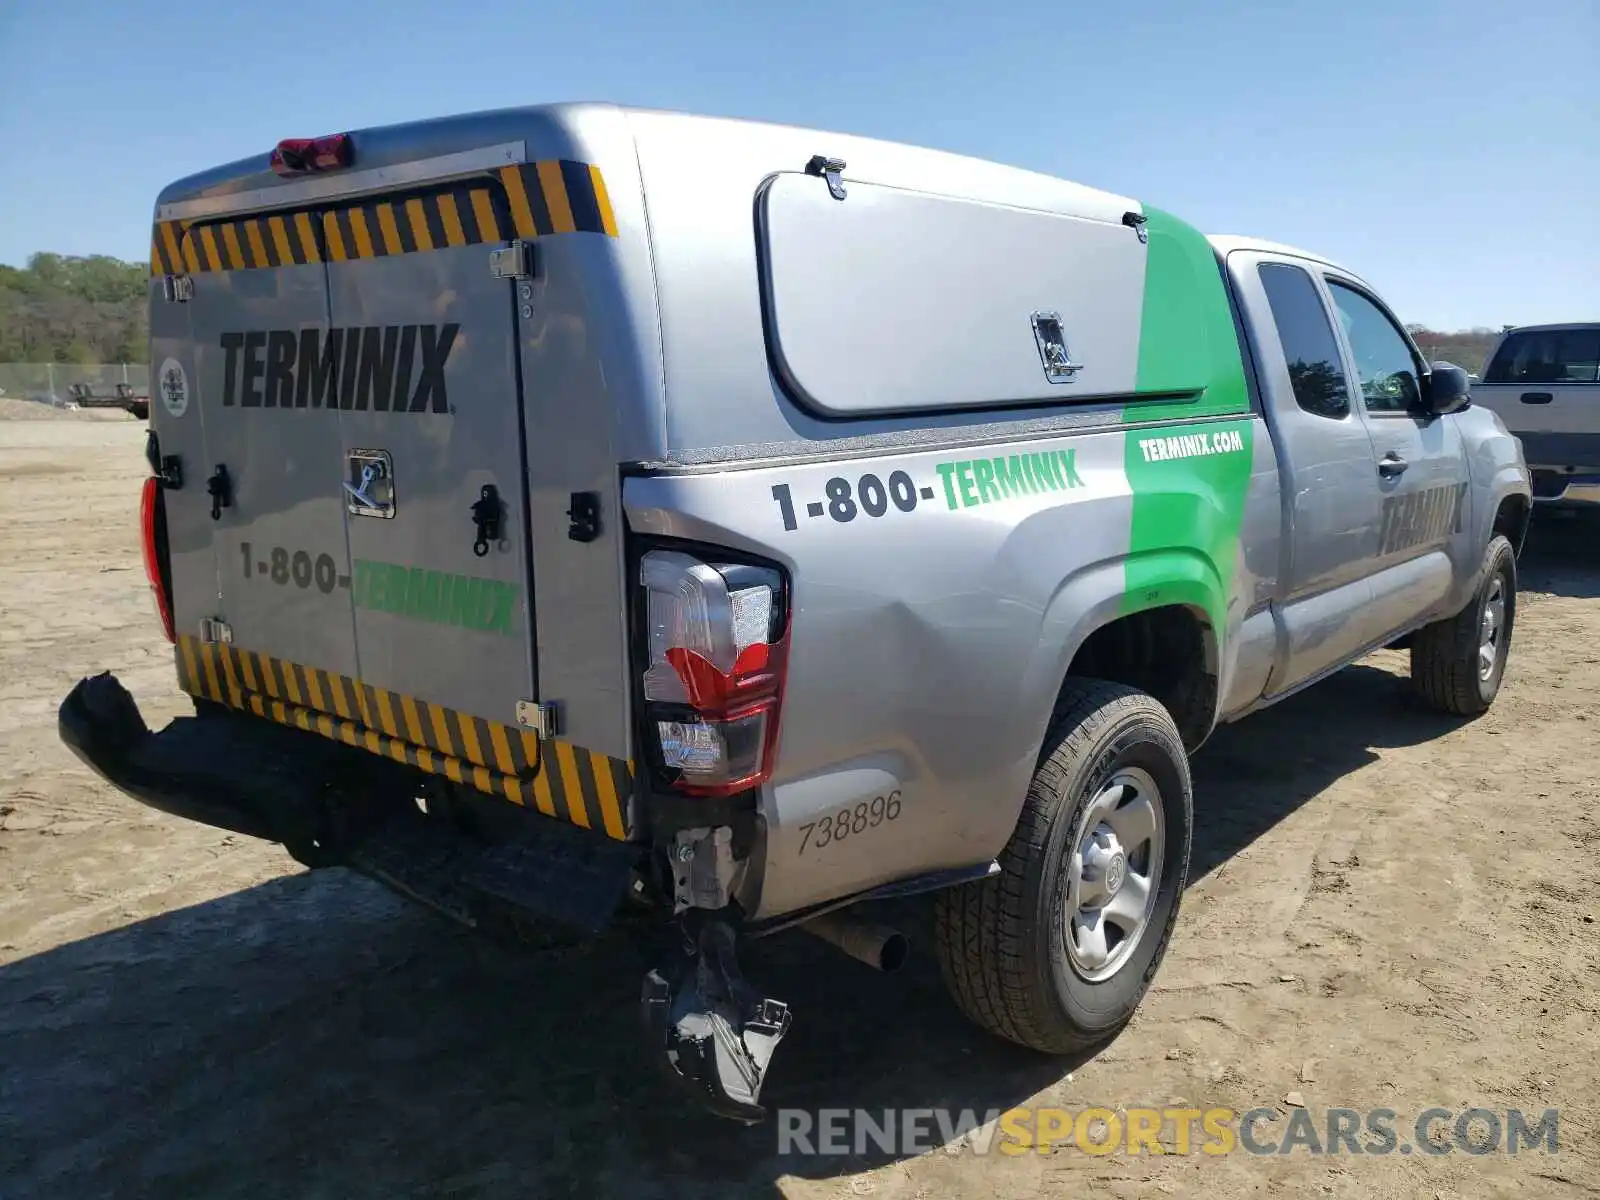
<point>440,569</point>
<point>273,444</point>
<point>361,361</point>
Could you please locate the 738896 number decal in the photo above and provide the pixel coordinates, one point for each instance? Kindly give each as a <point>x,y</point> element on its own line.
<point>849,822</point>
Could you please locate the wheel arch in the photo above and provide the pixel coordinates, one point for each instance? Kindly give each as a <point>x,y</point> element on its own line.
<point>1151,621</point>
<point>1168,650</point>
<point>1511,518</point>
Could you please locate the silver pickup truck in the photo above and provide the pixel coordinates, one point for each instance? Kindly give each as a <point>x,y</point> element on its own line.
<point>1544,381</point>
<point>577,516</point>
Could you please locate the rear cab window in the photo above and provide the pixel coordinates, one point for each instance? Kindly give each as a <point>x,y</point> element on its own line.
<point>1307,338</point>
<point>1548,356</point>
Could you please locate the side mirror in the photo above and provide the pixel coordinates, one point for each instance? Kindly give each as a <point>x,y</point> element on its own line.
<point>1448,389</point>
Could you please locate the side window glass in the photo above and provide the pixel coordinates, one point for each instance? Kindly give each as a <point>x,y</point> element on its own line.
<point>1308,341</point>
<point>1515,360</point>
<point>1547,356</point>
<point>1579,357</point>
<point>1389,374</point>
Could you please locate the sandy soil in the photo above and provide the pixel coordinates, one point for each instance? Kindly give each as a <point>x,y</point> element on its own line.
<point>1389,909</point>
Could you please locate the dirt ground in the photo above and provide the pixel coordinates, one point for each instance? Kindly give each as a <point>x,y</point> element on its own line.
<point>1388,909</point>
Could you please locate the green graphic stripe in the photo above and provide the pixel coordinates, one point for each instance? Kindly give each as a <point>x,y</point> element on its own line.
<point>1189,481</point>
<point>1189,484</point>
<point>1187,342</point>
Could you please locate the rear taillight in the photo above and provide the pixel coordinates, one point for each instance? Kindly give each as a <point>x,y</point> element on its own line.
<point>301,156</point>
<point>153,540</point>
<point>715,655</point>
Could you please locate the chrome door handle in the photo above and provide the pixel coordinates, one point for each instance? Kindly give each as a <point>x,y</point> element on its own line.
<point>361,497</point>
<point>1391,465</point>
<point>370,487</point>
<point>370,474</point>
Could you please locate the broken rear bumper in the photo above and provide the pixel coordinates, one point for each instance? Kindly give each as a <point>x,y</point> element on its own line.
<point>226,771</point>
<point>333,805</point>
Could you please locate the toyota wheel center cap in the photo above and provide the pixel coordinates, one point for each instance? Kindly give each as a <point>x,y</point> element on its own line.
<point>1116,873</point>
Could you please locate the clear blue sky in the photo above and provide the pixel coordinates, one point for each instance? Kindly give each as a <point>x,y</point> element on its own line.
<point>1449,150</point>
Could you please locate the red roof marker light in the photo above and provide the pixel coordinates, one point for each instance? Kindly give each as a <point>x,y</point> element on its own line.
<point>301,156</point>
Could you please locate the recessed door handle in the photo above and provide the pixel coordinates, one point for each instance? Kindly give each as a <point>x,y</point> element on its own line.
<point>220,488</point>
<point>1391,464</point>
<point>1537,397</point>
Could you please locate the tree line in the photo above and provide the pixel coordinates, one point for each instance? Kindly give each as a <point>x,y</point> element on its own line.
<point>1466,348</point>
<point>66,309</point>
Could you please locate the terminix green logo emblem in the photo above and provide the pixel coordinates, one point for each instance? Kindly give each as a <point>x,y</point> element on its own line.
<point>438,597</point>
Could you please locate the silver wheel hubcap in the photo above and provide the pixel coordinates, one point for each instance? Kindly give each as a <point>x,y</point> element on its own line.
<point>1491,628</point>
<point>1114,874</point>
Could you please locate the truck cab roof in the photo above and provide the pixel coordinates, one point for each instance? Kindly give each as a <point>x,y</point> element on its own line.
<point>1551,327</point>
<point>1225,244</point>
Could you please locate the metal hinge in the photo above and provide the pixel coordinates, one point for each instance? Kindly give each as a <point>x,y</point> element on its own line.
<point>583,518</point>
<point>178,289</point>
<point>1136,222</point>
<point>829,169</point>
<point>543,719</point>
<point>214,629</point>
<point>516,261</point>
<point>166,467</point>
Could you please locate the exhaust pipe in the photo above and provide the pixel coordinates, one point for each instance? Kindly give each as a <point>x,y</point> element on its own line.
<point>879,946</point>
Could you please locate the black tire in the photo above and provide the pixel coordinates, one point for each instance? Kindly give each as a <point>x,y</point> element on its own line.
<point>1444,656</point>
<point>1001,941</point>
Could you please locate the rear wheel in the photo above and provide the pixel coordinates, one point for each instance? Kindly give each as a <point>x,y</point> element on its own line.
<point>1457,664</point>
<point>1056,951</point>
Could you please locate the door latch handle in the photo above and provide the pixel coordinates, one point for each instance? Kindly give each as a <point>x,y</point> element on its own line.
<point>371,473</point>
<point>1537,397</point>
<point>486,517</point>
<point>1391,464</point>
<point>220,488</point>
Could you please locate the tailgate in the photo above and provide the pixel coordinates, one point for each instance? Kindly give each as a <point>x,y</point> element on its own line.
<point>1543,383</point>
<point>358,389</point>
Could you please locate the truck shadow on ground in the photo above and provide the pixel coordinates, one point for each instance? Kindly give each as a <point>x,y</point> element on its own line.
<point>317,1036</point>
<point>314,1035</point>
<point>1254,774</point>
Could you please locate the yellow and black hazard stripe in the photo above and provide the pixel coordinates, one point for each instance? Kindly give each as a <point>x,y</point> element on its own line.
<point>271,240</point>
<point>528,200</point>
<point>559,779</point>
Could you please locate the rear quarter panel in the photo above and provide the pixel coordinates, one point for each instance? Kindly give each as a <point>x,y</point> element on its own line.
<point>928,646</point>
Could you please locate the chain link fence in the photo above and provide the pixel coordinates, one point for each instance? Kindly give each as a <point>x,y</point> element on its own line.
<point>53,383</point>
